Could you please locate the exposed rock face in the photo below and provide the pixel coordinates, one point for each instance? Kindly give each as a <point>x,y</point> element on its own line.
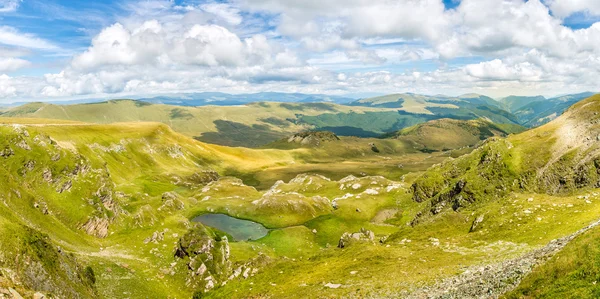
<point>476,223</point>
<point>313,138</point>
<point>34,263</point>
<point>155,238</point>
<point>65,187</point>
<point>96,226</point>
<point>203,177</point>
<point>47,176</point>
<point>171,202</point>
<point>363,236</point>
<point>207,257</point>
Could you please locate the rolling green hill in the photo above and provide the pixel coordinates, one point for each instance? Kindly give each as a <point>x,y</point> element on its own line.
<point>514,103</point>
<point>470,106</point>
<point>106,210</point>
<point>448,134</point>
<point>257,124</point>
<point>537,112</point>
<point>558,159</point>
<point>249,125</point>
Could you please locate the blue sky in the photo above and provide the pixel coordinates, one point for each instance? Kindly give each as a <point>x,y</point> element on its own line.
<point>73,49</point>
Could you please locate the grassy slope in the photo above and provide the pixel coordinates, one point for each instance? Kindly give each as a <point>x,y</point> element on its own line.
<point>514,103</point>
<point>572,273</point>
<point>145,160</point>
<point>538,113</point>
<point>248,125</point>
<point>303,260</point>
<point>558,158</point>
<point>445,134</point>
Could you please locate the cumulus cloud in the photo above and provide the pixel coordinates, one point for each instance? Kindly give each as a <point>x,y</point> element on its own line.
<point>9,64</point>
<point>336,46</point>
<point>565,8</point>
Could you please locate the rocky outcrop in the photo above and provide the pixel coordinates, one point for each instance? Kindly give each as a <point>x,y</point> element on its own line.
<point>97,226</point>
<point>156,238</point>
<point>313,138</point>
<point>363,235</point>
<point>206,255</point>
<point>34,264</point>
<point>171,202</point>
<point>203,177</point>
<point>476,223</point>
<point>7,152</point>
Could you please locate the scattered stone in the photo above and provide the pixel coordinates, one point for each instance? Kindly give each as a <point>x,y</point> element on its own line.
<point>493,280</point>
<point>333,285</point>
<point>363,236</point>
<point>155,238</point>
<point>246,273</point>
<point>23,144</point>
<point>353,272</point>
<point>47,175</point>
<point>7,152</point>
<point>65,187</point>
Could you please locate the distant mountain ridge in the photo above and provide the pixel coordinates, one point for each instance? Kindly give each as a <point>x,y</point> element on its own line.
<point>225,99</point>
<point>538,110</point>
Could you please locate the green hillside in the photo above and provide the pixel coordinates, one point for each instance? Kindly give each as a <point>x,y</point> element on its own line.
<point>514,103</point>
<point>465,107</point>
<point>257,124</point>
<point>538,113</point>
<point>447,134</point>
<point>107,210</point>
<point>249,125</point>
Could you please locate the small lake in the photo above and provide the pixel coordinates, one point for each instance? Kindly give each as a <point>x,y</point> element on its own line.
<point>239,229</point>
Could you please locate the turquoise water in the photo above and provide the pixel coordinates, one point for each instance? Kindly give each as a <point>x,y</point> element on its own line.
<point>239,229</point>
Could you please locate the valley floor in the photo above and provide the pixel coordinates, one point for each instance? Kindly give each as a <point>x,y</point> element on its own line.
<point>105,211</point>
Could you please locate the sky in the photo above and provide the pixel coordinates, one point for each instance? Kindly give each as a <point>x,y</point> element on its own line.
<point>65,49</point>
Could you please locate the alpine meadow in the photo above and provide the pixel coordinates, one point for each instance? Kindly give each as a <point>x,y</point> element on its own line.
<point>299,149</point>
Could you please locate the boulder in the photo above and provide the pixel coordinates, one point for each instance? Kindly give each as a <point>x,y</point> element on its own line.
<point>363,235</point>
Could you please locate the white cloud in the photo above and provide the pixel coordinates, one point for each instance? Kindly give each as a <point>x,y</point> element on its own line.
<point>225,11</point>
<point>10,64</point>
<point>335,46</point>
<point>12,37</point>
<point>565,8</point>
<point>9,5</point>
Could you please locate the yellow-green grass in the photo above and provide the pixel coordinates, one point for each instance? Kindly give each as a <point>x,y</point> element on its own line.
<point>572,273</point>
<point>190,121</point>
<point>145,160</point>
<point>412,259</point>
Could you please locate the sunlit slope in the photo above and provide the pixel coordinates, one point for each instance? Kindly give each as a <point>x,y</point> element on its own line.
<point>257,124</point>
<point>556,158</point>
<point>247,125</point>
<point>446,134</point>
<point>469,106</point>
<point>76,195</point>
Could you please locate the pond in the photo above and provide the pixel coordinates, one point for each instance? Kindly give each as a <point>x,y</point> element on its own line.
<point>239,229</point>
